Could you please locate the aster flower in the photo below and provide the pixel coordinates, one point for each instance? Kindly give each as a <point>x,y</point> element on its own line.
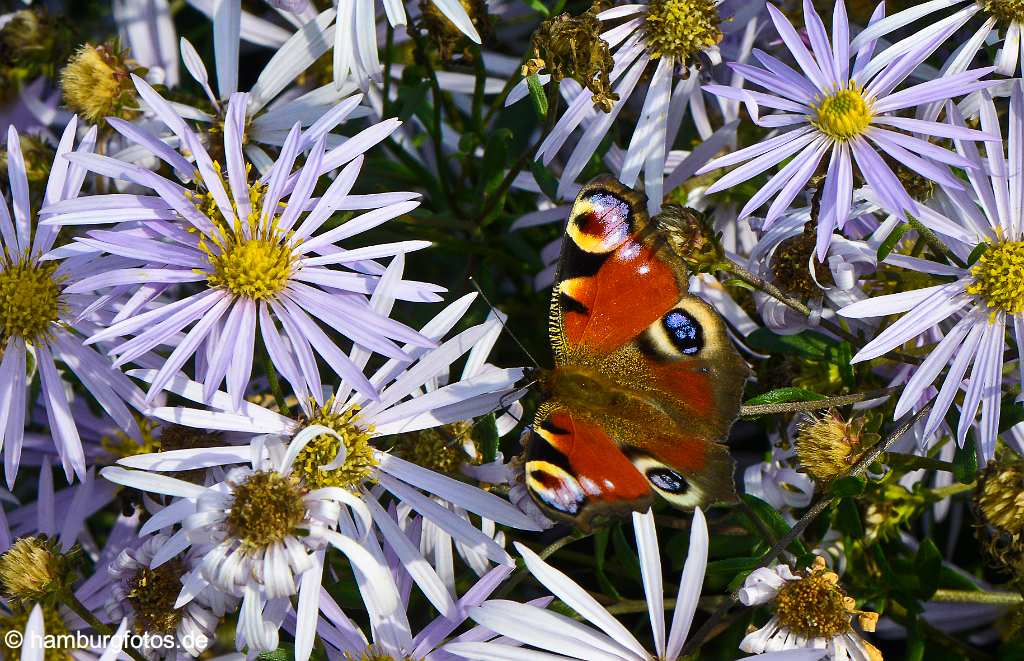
<point>146,597</point>
<point>1000,16</point>
<point>43,317</point>
<point>261,532</point>
<point>555,636</point>
<point>847,111</point>
<point>811,612</point>
<point>253,249</point>
<point>983,298</point>
<point>670,40</point>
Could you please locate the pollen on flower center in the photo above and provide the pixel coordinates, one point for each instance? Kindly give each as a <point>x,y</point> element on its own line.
<point>322,450</point>
<point>438,448</point>
<point>828,446</point>
<point>682,28</point>
<point>152,594</point>
<point>1007,11</point>
<point>249,257</point>
<point>266,508</point>
<point>29,299</point>
<point>842,115</point>
<point>814,606</point>
<point>999,277</point>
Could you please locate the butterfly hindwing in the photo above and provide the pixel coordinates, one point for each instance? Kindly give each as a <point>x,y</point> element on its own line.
<point>575,469</point>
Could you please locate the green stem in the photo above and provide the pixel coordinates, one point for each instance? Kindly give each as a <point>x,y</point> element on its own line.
<point>815,404</point>
<point>933,241</point>
<point>914,461</point>
<point>978,597</point>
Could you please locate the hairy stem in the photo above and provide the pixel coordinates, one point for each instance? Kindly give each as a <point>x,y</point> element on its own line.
<point>816,404</point>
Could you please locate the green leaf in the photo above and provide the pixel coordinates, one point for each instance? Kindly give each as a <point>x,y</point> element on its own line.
<point>849,486</point>
<point>601,539</point>
<point>283,653</point>
<point>965,462</point>
<point>539,7</point>
<point>928,565</point>
<point>848,518</point>
<point>720,573</point>
<point>782,395</point>
<point>548,182</point>
<point>537,95</point>
<point>413,100</point>
<point>485,435</point>
<point>807,343</point>
<point>495,159</point>
<point>976,254</point>
<point>891,241</point>
<point>773,521</point>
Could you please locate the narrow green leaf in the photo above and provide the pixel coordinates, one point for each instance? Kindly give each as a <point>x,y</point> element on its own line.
<point>928,565</point>
<point>965,462</point>
<point>773,521</point>
<point>485,435</point>
<point>848,518</point>
<point>539,7</point>
<point>782,395</point>
<point>537,95</point>
<point>890,241</point>
<point>847,487</point>
<point>807,343</point>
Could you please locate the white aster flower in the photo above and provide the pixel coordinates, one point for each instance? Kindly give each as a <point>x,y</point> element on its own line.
<point>811,612</point>
<point>256,250</point>
<point>983,299</point>
<point>146,597</point>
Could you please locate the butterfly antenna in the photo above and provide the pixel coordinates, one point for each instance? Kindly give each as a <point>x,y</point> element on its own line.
<point>504,326</point>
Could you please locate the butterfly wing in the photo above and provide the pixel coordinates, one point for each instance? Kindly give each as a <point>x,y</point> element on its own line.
<point>646,379</point>
<point>574,469</point>
<point>615,275</point>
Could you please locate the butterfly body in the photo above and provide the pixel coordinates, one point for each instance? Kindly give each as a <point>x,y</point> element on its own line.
<point>645,380</point>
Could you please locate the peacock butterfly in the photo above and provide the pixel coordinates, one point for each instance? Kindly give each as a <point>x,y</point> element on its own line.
<point>646,382</point>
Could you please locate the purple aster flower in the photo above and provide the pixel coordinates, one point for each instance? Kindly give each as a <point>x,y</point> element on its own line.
<point>983,299</point>
<point>43,321</point>
<point>1006,16</point>
<point>222,259</point>
<point>847,111</point>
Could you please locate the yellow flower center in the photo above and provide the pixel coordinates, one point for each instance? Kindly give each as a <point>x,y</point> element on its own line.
<point>34,569</point>
<point>250,257</point>
<point>681,28</point>
<point>359,459</point>
<point>439,449</point>
<point>266,508</point>
<point>29,299</point>
<point>999,277</point>
<point>1007,11</point>
<point>152,593</point>
<point>842,115</point>
<point>814,606</point>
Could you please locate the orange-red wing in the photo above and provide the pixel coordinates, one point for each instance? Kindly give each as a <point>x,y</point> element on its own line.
<point>612,281</point>
<point>574,469</point>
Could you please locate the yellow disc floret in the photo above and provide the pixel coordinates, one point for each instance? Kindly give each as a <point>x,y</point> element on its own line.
<point>250,258</point>
<point>97,83</point>
<point>29,299</point>
<point>266,508</point>
<point>681,28</point>
<point>999,278</point>
<point>1007,11</point>
<point>842,115</point>
<point>152,594</point>
<point>322,450</point>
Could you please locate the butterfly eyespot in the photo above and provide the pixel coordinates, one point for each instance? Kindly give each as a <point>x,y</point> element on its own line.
<point>668,480</point>
<point>684,331</point>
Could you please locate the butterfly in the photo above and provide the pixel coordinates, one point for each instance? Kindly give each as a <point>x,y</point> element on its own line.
<point>646,382</point>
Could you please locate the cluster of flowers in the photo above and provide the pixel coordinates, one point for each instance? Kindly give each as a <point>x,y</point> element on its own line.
<point>260,453</point>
